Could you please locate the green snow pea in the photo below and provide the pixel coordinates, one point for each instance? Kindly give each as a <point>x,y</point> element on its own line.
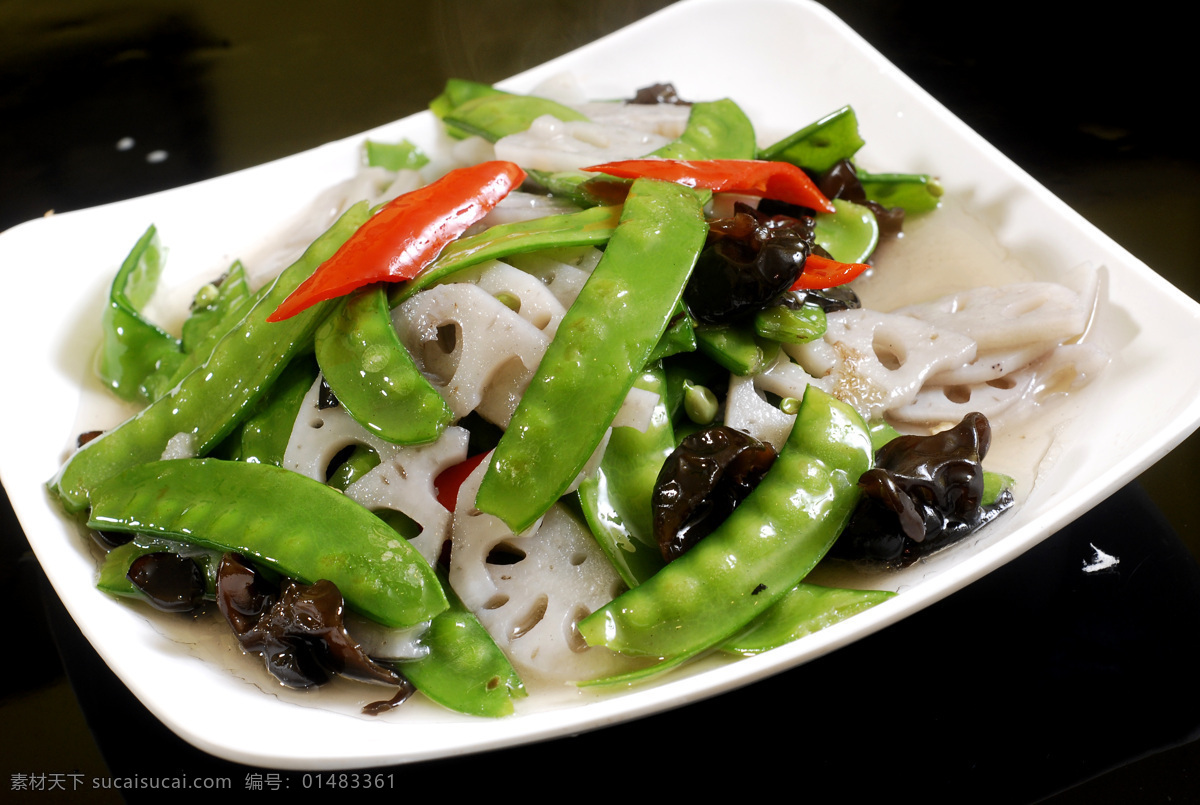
<point>203,349</point>
<point>286,521</point>
<point>497,115</point>
<point>363,459</point>
<point>403,155</point>
<point>212,303</point>
<point>769,543</point>
<point>850,234</point>
<point>590,227</point>
<point>915,192</point>
<point>591,189</point>
<point>577,187</point>
<point>736,347</point>
<point>805,609</point>
<point>680,336</point>
<point>819,145</point>
<point>881,434</point>
<point>372,374</point>
<point>995,484</point>
<point>616,500</point>
<point>465,670</point>
<point>209,403</point>
<point>601,346</point>
<point>457,92</point>
<point>788,326</point>
<point>715,130</point>
<point>263,437</point>
<point>135,356</point>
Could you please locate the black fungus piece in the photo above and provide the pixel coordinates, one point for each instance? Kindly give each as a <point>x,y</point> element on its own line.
<point>923,494</point>
<point>407,689</point>
<point>795,218</point>
<point>325,397</point>
<point>111,539</point>
<point>170,582</point>
<point>702,482</point>
<point>484,435</point>
<point>299,630</point>
<point>841,181</point>
<point>243,594</point>
<point>890,219</point>
<point>88,436</point>
<point>749,261</point>
<point>658,93</point>
<point>772,207</point>
<point>830,300</point>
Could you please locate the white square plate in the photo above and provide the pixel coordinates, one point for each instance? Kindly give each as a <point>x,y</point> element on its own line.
<point>815,64</point>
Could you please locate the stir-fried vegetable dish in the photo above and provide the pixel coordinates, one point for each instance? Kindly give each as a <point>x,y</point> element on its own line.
<point>587,398</point>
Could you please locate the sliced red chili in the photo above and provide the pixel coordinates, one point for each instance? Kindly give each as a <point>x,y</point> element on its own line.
<point>407,234</point>
<point>781,181</point>
<point>821,272</point>
<point>451,479</point>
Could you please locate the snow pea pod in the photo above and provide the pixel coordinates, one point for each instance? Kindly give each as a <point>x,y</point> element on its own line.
<point>680,336</point>
<point>580,188</point>
<point>264,436</point>
<point>212,303</point>
<point>736,347</point>
<point>616,500</point>
<point>994,485</point>
<point>715,130</point>
<point>915,192</point>
<point>602,344</point>
<point>769,543</point>
<point>850,234</point>
<point>286,521</point>
<point>590,227</point>
<point>362,460</point>
<point>135,356</point>
<point>403,155</point>
<point>465,670</point>
<point>211,401</point>
<point>790,325</point>
<point>497,115</point>
<point>820,144</point>
<point>373,375</point>
<point>807,608</point>
<point>199,354</point>
<point>457,92</point>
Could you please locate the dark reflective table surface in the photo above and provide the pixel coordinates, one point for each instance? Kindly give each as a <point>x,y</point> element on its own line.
<point>1040,681</point>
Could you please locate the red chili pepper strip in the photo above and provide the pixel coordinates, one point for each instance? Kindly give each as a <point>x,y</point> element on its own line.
<point>407,234</point>
<point>821,272</point>
<point>781,181</point>
<point>450,480</point>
